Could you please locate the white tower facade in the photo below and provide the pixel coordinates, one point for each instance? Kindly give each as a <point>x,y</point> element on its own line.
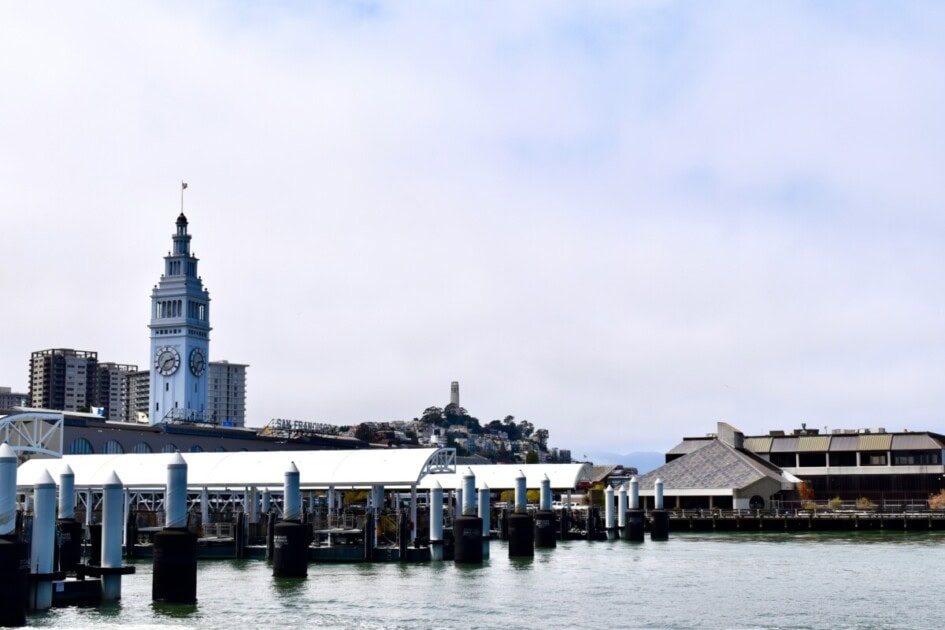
<point>454,393</point>
<point>180,337</point>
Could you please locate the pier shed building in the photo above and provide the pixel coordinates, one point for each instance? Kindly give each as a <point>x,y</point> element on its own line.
<point>894,469</point>
<point>717,473</point>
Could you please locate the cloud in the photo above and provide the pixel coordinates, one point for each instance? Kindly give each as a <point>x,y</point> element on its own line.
<point>620,222</point>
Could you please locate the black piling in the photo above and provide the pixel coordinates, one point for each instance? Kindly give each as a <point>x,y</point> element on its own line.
<point>368,537</point>
<point>634,529</point>
<point>270,533</point>
<point>95,544</point>
<point>239,536</point>
<point>14,576</point>
<point>289,550</point>
<point>521,535</point>
<point>175,566</point>
<point>70,544</point>
<point>659,525</point>
<point>546,530</point>
<point>564,524</point>
<point>467,534</point>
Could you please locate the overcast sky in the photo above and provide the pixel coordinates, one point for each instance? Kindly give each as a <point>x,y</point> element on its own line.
<point>622,222</point>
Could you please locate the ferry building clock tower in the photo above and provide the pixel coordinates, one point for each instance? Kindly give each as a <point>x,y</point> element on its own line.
<point>180,337</point>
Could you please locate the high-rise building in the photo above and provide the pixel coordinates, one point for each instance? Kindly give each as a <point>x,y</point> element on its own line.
<point>10,399</point>
<point>111,390</point>
<point>227,393</point>
<point>63,379</point>
<point>138,397</point>
<point>180,336</point>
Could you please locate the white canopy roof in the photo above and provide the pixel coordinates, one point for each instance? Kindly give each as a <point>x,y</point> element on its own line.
<point>502,476</point>
<point>317,469</point>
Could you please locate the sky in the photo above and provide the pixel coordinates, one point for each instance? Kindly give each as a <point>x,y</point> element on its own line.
<point>623,222</point>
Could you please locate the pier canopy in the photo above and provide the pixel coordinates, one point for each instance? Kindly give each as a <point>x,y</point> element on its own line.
<point>317,469</point>
<point>502,476</point>
<point>33,432</point>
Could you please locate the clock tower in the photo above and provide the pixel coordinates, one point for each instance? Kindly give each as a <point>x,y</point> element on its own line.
<point>180,337</point>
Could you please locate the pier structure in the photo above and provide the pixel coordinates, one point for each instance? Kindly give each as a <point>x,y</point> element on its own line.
<point>220,489</point>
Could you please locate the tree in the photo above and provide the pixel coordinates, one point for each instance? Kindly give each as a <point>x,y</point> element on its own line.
<point>364,432</point>
<point>526,428</point>
<point>542,435</point>
<point>531,457</point>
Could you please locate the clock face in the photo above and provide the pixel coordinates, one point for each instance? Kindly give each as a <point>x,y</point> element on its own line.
<point>166,361</point>
<point>198,362</point>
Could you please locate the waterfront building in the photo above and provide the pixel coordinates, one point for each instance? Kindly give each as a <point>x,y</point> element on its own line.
<point>180,336</point>
<point>226,396</point>
<point>63,379</point>
<point>887,468</point>
<point>10,399</point>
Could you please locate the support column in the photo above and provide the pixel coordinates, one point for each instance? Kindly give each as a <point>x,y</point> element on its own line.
<point>659,523</point>
<point>290,548</point>
<point>436,522</point>
<point>635,523</point>
<point>545,526</point>
<point>70,531</point>
<point>609,524</point>
<point>113,502</point>
<point>175,546</point>
<point>14,553</point>
<point>467,529</point>
<point>521,524</point>
<point>486,517</point>
<point>42,546</point>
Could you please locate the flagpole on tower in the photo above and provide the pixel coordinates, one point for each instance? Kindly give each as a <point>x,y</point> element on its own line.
<point>183,187</point>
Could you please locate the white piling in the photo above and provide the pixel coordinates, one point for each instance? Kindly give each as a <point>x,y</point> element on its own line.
<point>7,489</point>
<point>112,504</point>
<point>622,507</point>
<point>469,493</point>
<point>292,499</point>
<point>175,496</point>
<point>67,493</point>
<point>609,511</point>
<point>266,500</point>
<point>521,494</point>
<point>545,495</point>
<point>436,522</point>
<point>658,494</point>
<point>485,515</point>
<point>43,542</point>
<point>634,494</point>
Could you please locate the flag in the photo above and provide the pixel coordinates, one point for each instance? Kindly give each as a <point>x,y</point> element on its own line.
<point>183,185</point>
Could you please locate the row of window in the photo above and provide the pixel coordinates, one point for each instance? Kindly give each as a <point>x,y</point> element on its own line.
<point>81,446</point>
<point>843,458</point>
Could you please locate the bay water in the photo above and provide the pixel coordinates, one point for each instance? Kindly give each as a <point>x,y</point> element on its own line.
<point>735,580</point>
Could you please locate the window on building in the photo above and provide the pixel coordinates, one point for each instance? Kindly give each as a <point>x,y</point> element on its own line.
<point>872,459</point>
<point>917,458</point>
<point>784,460</point>
<point>843,458</point>
<point>813,459</point>
<point>112,446</point>
<point>196,449</point>
<point>80,446</point>
<point>142,447</point>
<point>168,448</point>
